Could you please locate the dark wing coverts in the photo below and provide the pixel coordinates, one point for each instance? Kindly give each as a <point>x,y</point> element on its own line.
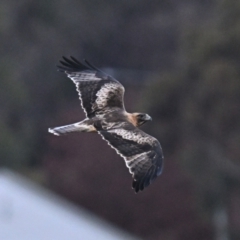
<point>97,90</point>
<point>141,152</point>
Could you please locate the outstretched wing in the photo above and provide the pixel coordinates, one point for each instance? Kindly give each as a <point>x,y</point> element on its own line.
<point>141,152</point>
<point>97,90</point>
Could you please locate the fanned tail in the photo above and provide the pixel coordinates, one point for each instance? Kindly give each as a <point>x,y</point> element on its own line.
<point>75,127</point>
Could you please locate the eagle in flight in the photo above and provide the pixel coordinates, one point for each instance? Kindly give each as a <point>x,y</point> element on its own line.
<point>101,98</point>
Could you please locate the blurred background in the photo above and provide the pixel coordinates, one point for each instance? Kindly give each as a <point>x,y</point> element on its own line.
<point>179,62</point>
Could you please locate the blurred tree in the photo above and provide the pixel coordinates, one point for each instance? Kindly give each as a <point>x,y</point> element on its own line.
<point>34,35</point>
<point>199,112</point>
<point>193,44</point>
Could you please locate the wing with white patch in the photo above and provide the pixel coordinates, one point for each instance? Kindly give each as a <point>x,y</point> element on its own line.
<point>141,152</point>
<point>97,90</point>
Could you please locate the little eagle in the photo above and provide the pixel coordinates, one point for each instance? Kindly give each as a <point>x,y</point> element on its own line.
<point>101,98</point>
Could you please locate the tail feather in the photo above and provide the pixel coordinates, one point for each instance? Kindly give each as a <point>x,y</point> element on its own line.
<point>75,127</point>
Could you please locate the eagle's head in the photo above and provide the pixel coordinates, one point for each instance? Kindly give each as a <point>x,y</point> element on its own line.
<point>141,118</point>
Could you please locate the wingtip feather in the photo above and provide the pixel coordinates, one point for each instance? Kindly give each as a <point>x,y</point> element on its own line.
<point>72,65</point>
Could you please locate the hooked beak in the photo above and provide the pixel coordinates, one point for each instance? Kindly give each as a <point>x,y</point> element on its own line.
<point>148,118</point>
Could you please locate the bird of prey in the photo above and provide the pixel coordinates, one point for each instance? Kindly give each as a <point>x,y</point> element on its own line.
<point>102,100</point>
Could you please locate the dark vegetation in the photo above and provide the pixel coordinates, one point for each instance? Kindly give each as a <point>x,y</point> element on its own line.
<point>179,61</point>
